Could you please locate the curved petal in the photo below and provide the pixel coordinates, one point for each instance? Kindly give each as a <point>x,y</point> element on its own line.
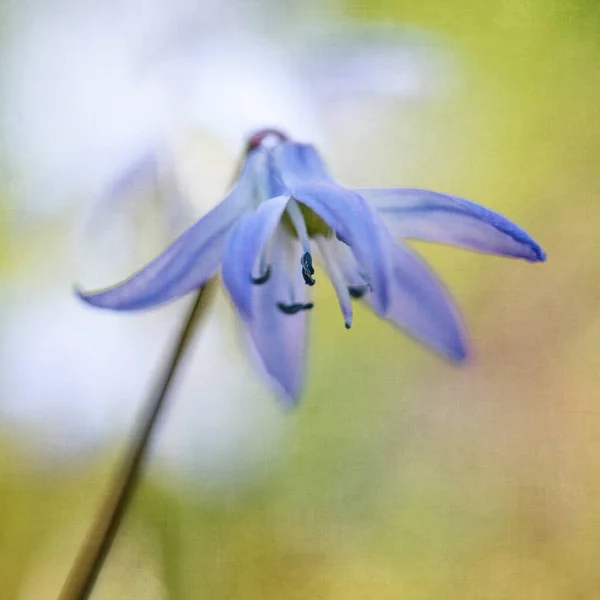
<point>422,307</point>
<point>187,263</point>
<point>243,247</point>
<point>426,215</point>
<point>279,336</point>
<point>359,226</point>
<point>420,304</point>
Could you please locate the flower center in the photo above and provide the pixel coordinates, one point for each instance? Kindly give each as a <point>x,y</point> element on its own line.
<point>314,224</point>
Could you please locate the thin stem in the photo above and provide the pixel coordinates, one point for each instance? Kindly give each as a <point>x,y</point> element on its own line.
<point>91,557</point>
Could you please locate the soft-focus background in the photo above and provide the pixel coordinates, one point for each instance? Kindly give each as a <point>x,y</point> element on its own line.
<point>399,476</point>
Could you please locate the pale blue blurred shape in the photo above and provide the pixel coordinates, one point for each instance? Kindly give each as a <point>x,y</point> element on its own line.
<point>73,380</point>
<point>89,87</point>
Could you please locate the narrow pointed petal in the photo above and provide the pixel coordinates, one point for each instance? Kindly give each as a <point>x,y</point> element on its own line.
<point>279,335</point>
<point>420,304</point>
<point>242,250</point>
<point>186,264</point>
<point>423,308</point>
<point>336,275</point>
<point>426,215</point>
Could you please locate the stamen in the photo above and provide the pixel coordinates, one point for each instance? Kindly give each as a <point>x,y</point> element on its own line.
<point>307,269</point>
<point>292,309</point>
<point>262,278</point>
<point>336,275</point>
<point>295,214</point>
<point>358,291</point>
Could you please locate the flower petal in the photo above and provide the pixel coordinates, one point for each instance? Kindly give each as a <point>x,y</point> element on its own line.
<point>243,247</point>
<point>359,226</point>
<point>419,302</point>
<point>187,263</point>
<point>300,164</point>
<point>421,305</point>
<point>278,335</point>
<point>426,215</point>
<point>344,211</point>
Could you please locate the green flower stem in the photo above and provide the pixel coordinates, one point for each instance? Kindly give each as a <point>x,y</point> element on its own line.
<point>90,559</point>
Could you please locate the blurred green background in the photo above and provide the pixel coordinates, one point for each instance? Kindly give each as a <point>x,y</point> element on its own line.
<point>401,476</point>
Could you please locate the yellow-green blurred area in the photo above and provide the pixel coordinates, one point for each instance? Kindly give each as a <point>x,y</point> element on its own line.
<point>398,476</point>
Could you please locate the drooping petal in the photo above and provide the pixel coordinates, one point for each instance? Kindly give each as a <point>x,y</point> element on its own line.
<point>420,304</point>
<point>358,226</point>
<point>187,263</point>
<point>337,277</point>
<point>279,321</point>
<point>422,307</point>
<point>431,216</point>
<point>243,247</point>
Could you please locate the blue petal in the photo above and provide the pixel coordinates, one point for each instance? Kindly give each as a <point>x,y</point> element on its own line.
<point>344,211</point>
<point>300,164</point>
<point>426,215</point>
<point>423,308</point>
<point>187,263</point>
<point>242,250</point>
<point>419,302</point>
<point>279,338</point>
<point>359,226</point>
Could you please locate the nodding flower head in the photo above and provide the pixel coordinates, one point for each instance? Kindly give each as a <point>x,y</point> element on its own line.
<point>286,208</point>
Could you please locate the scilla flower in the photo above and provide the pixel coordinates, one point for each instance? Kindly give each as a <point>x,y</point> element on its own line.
<point>284,206</point>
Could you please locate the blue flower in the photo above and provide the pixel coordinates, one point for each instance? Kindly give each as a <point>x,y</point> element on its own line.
<point>284,206</point>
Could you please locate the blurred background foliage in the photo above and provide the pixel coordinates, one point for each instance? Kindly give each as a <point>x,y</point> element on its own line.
<point>399,476</point>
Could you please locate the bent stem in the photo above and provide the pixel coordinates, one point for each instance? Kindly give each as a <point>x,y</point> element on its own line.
<point>90,559</point>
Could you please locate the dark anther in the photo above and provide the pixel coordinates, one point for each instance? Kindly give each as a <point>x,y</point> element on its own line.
<point>258,138</point>
<point>358,291</point>
<point>262,278</point>
<point>292,309</point>
<point>341,239</point>
<point>307,269</point>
